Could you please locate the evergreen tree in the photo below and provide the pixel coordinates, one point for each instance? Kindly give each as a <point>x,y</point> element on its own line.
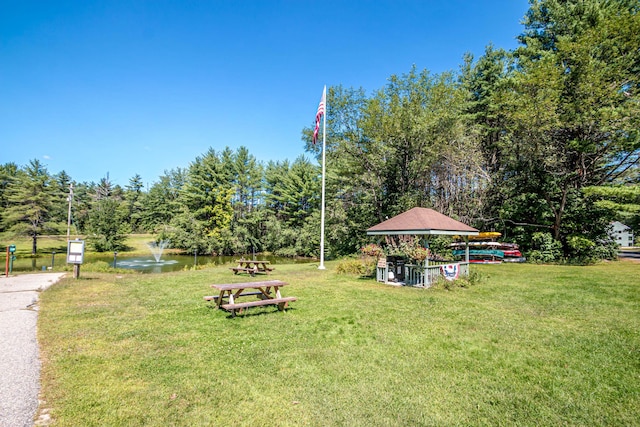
<point>292,197</point>
<point>133,196</point>
<point>29,200</point>
<point>161,203</point>
<point>206,198</point>
<point>60,207</point>
<point>8,176</point>
<point>107,225</point>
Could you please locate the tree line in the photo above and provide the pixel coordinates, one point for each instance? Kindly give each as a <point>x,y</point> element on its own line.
<point>540,143</point>
<point>225,202</point>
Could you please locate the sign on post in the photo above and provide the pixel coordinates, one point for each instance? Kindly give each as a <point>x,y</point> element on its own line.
<point>75,252</point>
<point>75,255</point>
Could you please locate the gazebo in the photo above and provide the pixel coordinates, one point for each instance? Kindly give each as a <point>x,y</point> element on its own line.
<point>423,222</point>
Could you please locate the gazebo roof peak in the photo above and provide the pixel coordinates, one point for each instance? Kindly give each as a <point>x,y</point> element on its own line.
<point>422,221</point>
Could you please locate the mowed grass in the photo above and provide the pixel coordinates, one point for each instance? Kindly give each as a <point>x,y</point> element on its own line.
<point>529,345</point>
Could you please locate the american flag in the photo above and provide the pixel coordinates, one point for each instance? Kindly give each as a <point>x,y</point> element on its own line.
<point>321,111</point>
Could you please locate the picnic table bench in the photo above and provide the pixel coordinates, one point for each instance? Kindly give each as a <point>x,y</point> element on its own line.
<point>252,267</point>
<point>268,293</point>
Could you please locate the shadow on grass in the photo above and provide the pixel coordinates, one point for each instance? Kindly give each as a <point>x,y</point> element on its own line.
<point>250,312</point>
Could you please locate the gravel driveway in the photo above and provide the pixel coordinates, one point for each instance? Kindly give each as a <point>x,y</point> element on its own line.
<point>19,358</point>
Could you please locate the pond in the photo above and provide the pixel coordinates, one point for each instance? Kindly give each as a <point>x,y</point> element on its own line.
<point>145,264</point>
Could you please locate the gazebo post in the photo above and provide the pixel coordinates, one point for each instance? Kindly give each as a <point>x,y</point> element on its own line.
<point>425,276</point>
<point>466,250</point>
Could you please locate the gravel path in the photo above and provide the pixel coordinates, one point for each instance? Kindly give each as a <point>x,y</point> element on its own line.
<point>19,362</point>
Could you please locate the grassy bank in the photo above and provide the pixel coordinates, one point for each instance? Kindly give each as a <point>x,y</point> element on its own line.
<point>530,345</point>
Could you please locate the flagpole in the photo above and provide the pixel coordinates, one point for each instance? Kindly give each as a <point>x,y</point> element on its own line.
<point>324,146</point>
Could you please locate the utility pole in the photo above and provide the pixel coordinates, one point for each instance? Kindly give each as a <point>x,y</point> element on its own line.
<point>69,198</point>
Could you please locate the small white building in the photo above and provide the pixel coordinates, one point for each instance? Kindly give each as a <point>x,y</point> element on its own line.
<point>622,234</point>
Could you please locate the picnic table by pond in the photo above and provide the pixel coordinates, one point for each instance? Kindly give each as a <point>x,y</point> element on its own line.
<point>252,267</point>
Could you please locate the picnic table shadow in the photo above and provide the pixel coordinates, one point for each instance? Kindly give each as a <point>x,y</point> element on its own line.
<point>254,311</point>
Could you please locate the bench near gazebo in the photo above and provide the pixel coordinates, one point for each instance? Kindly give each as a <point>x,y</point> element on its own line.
<point>423,223</point>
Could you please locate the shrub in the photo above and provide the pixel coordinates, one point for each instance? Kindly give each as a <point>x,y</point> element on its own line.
<point>584,251</point>
<point>606,250</point>
<point>580,250</point>
<point>545,248</point>
<point>474,278</point>
<point>361,267</point>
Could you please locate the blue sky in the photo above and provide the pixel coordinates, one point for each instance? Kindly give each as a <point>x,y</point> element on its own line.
<point>142,87</point>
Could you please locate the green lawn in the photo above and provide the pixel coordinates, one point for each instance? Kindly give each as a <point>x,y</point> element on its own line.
<point>529,345</point>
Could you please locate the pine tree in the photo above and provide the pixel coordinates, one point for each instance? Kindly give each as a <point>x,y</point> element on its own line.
<point>29,201</point>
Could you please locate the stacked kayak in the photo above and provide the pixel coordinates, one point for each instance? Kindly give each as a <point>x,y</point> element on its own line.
<point>484,249</point>
<point>511,252</point>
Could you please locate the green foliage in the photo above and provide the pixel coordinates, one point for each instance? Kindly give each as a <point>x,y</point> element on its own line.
<point>413,248</point>
<point>133,196</point>
<point>188,234</point>
<point>293,192</point>
<point>544,249</point>
<point>357,266</point>
<point>379,155</point>
<point>29,198</point>
<point>247,180</point>
<point>107,226</point>
<point>162,202</point>
<point>207,195</point>
<point>308,236</point>
<point>606,250</point>
<point>462,282</point>
<point>440,247</point>
<point>581,249</point>
<point>292,200</point>
<point>8,177</point>
<point>622,200</point>
<point>567,115</point>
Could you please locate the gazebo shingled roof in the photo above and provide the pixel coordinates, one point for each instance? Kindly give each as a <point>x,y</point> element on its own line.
<point>422,221</point>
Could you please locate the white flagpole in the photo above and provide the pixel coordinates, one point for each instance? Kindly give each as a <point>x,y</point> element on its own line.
<point>324,146</point>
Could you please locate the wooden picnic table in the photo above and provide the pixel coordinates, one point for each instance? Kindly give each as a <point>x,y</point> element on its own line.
<point>252,267</point>
<point>267,292</point>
